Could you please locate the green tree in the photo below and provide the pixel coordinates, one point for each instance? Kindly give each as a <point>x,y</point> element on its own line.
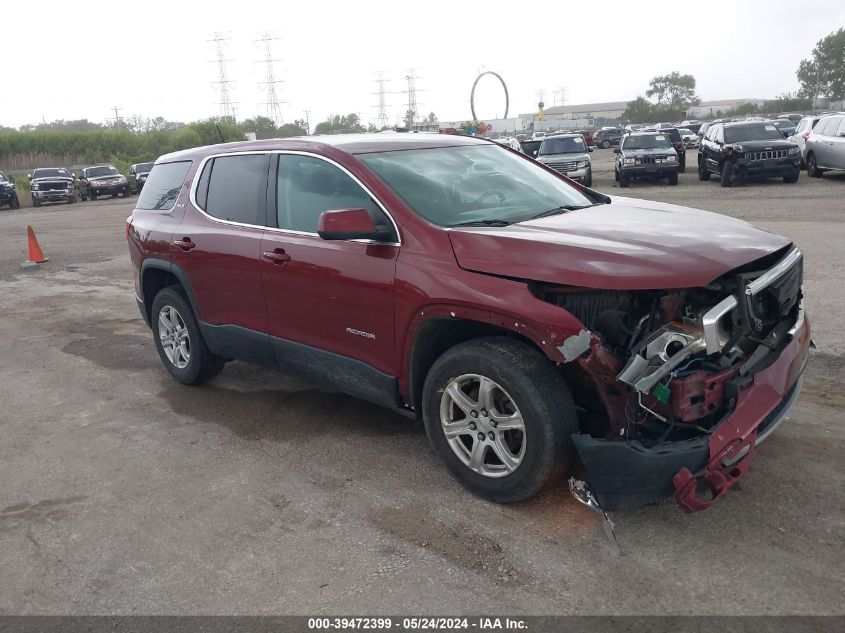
<point>264,127</point>
<point>639,110</point>
<point>338,124</point>
<point>673,91</point>
<point>297,128</point>
<point>823,75</point>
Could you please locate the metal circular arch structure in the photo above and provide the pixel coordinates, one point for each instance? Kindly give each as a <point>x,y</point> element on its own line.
<point>472,94</point>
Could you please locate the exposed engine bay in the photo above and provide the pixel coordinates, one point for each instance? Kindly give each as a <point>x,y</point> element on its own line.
<point>668,367</point>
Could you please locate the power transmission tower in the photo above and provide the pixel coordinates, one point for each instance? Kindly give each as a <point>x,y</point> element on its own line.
<point>562,92</point>
<point>381,120</point>
<point>227,107</point>
<point>118,120</point>
<point>274,110</point>
<point>413,107</point>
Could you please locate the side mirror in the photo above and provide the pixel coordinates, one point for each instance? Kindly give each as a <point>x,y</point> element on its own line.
<point>74,175</point>
<point>349,224</point>
<point>616,150</point>
<point>589,148</point>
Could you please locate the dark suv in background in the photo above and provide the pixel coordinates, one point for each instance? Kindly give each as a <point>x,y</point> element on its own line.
<point>525,319</point>
<point>751,148</point>
<point>605,138</point>
<point>8,193</point>
<point>102,180</point>
<point>137,176</point>
<point>52,184</point>
<point>646,155</point>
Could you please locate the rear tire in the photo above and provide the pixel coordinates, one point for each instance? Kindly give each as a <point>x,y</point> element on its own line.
<point>520,378</point>
<point>605,144</point>
<point>813,170</point>
<point>179,341</point>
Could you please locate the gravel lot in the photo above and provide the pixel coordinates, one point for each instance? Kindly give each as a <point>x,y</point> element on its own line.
<point>124,492</point>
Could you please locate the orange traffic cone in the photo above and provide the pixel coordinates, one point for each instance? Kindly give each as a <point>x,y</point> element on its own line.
<point>35,253</point>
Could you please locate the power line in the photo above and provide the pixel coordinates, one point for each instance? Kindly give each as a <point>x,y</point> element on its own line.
<point>118,120</point>
<point>274,110</point>
<point>227,107</point>
<point>382,120</point>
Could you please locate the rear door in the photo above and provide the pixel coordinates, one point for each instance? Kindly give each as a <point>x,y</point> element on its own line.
<point>218,247</point>
<point>823,145</point>
<point>328,302</point>
<point>837,147</point>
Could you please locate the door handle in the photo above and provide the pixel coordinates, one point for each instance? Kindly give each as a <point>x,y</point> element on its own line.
<point>277,256</point>
<point>185,244</point>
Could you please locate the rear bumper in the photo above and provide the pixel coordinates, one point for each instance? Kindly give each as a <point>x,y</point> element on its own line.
<point>697,472</point>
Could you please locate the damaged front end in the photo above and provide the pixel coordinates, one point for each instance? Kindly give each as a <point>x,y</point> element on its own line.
<point>688,381</point>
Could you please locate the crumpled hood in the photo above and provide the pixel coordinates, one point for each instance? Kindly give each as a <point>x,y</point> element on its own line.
<point>629,244</point>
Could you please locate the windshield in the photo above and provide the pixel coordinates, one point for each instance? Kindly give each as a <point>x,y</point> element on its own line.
<point>144,168</point>
<point>685,132</point>
<point>646,141</point>
<point>94,172</point>
<point>455,185</point>
<point>3,177</point>
<point>51,173</point>
<point>564,145</point>
<point>752,133</point>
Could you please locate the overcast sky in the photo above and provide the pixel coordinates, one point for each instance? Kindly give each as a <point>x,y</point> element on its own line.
<point>68,60</point>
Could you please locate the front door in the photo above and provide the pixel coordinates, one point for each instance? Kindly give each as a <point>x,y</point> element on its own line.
<point>330,304</point>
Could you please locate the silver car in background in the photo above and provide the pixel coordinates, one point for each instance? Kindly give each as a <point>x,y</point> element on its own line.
<point>825,146</point>
<point>569,155</point>
<point>802,132</point>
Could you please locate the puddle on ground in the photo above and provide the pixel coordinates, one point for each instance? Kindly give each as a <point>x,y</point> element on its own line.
<point>121,350</point>
<point>460,544</point>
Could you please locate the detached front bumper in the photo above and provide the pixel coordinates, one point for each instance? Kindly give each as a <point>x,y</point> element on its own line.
<point>627,474</point>
<point>770,168</point>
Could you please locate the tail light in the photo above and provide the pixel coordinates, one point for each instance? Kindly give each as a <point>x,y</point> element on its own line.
<point>128,226</point>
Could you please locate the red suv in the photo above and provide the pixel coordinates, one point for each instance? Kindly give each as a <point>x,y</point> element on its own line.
<point>529,321</point>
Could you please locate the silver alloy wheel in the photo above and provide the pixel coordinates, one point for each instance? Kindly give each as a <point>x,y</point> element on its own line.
<point>483,425</point>
<point>175,340</point>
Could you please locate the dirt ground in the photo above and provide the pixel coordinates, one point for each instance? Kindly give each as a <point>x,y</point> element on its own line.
<point>122,492</point>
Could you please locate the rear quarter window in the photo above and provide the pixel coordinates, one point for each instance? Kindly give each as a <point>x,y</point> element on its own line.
<point>163,186</point>
<point>237,188</point>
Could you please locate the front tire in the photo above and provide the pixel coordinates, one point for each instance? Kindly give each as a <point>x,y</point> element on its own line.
<point>624,180</point>
<point>682,164</point>
<point>92,196</point>
<point>673,179</point>
<point>605,144</point>
<point>179,341</point>
<point>588,180</point>
<point>793,177</point>
<point>728,176</point>
<point>14,203</point>
<point>501,417</point>
<point>703,174</point>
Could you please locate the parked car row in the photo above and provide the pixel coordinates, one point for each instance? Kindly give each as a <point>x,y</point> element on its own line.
<point>58,184</point>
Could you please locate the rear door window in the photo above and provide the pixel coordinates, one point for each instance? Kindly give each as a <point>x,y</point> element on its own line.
<point>237,188</point>
<point>163,186</point>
